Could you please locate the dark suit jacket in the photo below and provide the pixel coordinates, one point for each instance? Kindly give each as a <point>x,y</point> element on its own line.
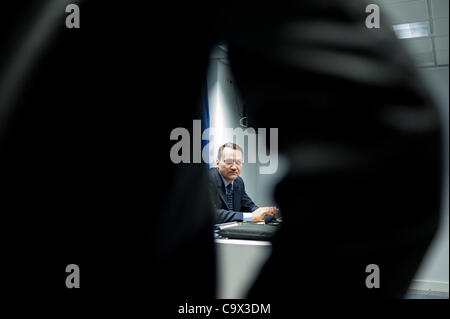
<point>241,201</point>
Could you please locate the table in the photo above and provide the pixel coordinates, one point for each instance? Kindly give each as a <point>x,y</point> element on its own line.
<point>238,264</point>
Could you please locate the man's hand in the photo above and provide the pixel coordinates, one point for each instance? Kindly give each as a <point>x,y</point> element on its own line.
<point>259,214</point>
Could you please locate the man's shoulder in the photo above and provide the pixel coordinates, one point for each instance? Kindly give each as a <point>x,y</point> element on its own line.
<point>212,173</point>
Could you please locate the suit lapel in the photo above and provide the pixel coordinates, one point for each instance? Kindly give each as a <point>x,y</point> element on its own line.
<point>221,188</point>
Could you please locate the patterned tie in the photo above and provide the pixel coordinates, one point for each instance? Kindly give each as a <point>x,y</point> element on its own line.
<point>230,196</point>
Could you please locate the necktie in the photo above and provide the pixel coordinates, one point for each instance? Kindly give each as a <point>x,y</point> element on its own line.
<point>230,196</point>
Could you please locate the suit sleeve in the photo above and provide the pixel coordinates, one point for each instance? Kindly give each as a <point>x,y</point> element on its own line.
<point>226,216</point>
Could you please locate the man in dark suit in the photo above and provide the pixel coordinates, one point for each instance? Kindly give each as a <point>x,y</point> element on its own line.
<point>228,191</point>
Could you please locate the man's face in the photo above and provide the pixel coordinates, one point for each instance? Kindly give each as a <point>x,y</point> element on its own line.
<point>230,164</point>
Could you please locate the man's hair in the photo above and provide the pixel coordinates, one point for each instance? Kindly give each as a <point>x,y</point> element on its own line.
<point>230,145</point>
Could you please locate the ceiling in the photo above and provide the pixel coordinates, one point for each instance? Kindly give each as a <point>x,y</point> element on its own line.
<point>428,50</point>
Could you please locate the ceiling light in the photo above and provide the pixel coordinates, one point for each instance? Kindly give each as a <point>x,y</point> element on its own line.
<point>412,30</point>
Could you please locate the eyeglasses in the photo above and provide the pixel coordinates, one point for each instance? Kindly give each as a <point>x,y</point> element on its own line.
<point>229,161</point>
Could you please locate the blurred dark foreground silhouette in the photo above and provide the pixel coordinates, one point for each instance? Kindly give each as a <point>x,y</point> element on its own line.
<point>86,176</point>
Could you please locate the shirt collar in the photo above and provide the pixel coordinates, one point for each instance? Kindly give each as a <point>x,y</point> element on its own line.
<point>225,182</point>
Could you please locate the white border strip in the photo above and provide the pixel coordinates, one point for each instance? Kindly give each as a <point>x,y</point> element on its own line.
<point>243,242</point>
<point>426,285</point>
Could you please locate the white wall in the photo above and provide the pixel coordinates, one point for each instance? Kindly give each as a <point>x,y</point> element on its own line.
<point>225,110</point>
<point>237,264</point>
<point>433,273</point>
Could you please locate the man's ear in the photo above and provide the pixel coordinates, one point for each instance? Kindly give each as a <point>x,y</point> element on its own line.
<point>217,163</point>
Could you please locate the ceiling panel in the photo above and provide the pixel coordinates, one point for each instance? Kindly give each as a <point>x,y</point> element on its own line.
<point>439,8</point>
<point>420,45</point>
<point>441,50</point>
<point>428,50</point>
<point>441,44</point>
<point>407,11</point>
<point>424,59</point>
<point>442,57</point>
<point>440,26</point>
